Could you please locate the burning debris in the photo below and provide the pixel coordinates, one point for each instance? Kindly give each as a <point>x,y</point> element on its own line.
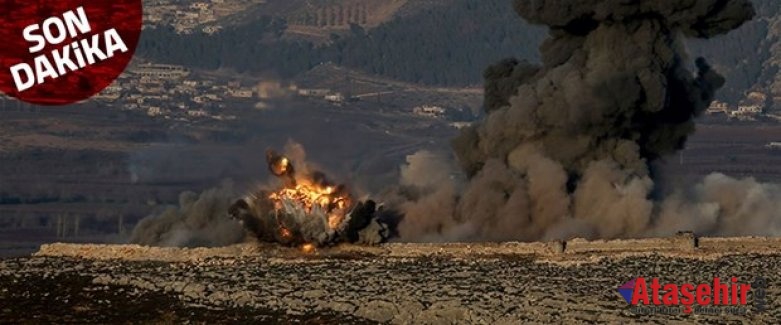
<point>308,211</point>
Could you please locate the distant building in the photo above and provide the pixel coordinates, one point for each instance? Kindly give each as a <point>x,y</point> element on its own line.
<point>224,117</point>
<point>774,145</point>
<point>460,125</point>
<point>429,111</point>
<point>241,93</point>
<point>755,103</point>
<point>187,17</point>
<point>200,99</point>
<point>315,92</point>
<point>161,71</point>
<point>746,111</point>
<point>199,6</point>
<point>197,113</point>
<point>185,89</point>
<point>335,98</point>
<point>111,93</point>
<point>152,88</point>
<point>717,107</point>
<point>154,111</point>
<point>209,30</point>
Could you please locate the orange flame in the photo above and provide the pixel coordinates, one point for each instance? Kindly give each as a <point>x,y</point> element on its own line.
<point>280,167</point>
<point>285,233</point>
<point>308,248</point>
<point>309,195</point>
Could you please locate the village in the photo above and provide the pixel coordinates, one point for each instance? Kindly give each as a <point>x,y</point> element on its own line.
<point>187,17</point>
<point>173,92</point>
<point>756,106</point>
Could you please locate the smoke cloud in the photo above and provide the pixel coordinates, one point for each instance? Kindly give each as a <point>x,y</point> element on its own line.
<point>565,147</point>
<point>199,221</point>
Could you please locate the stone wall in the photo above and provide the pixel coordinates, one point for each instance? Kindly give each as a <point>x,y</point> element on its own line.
<point>684,244</point>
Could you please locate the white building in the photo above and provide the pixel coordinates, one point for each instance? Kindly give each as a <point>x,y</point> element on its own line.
<point>335,98</point>
<point>717,107</point>
<point>316,92</point>
<point>461,125</point>
<point>199,6</point>
<point>774,145</point>
<point>154,111</point>
<point>746,111</point>
<point>429,111</point>
<point>197,113</point>
<point>241,93</point>
<point>160,71</point>
<point>211,29</point>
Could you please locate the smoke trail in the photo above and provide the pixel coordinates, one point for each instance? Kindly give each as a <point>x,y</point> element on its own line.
<point>565,147</point>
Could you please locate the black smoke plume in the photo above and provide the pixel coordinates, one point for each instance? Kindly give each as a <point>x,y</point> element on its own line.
<point>565,147</point>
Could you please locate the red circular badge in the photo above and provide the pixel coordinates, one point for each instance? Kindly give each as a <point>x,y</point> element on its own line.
<point>64,51</point>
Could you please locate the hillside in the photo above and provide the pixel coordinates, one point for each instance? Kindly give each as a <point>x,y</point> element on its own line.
<point>443,44</point>
<point>316,20</point>
<point>433,43</point>
<point>342,13</point>
<point>750,56</point>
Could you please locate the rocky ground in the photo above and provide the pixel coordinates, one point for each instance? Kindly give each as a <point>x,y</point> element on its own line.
<point>399,284</point>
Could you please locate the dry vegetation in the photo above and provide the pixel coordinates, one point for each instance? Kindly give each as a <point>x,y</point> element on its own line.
<point>395,283</point>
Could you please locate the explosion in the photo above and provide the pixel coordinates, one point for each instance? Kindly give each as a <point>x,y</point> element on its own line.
<point>313,196</point>
<point>307,211</point>
<point>565,150</point>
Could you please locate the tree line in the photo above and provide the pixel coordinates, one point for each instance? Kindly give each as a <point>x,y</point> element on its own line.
<point>447,45</point>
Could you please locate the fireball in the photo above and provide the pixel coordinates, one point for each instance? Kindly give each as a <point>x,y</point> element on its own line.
<point>306,211</point>
<point>310,197</point>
